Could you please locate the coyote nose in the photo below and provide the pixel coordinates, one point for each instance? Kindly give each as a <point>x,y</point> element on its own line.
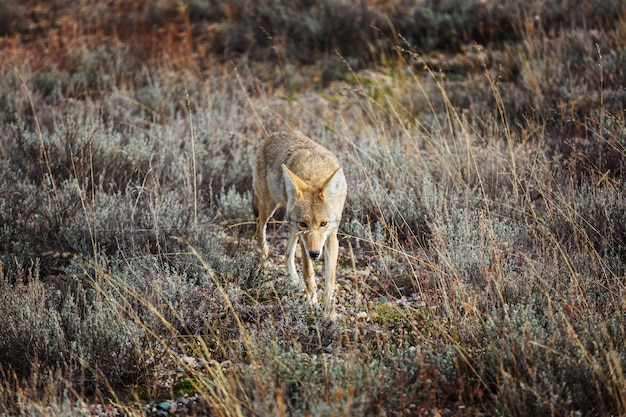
<point>314,254</point>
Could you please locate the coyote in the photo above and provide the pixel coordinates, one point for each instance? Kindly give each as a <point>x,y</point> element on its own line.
<point>306,178</point>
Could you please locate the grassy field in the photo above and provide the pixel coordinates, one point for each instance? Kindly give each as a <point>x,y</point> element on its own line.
<point>482,268</point>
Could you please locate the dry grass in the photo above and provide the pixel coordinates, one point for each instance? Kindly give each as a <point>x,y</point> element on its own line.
<point>483,252</point>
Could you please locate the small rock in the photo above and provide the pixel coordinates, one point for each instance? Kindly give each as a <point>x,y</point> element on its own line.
<point>361,317</point>
<point>188,360</point>
<point>165,406</point>
<point>358,300</point>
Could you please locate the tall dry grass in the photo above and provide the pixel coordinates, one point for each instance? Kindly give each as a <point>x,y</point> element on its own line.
<point>483,239</point>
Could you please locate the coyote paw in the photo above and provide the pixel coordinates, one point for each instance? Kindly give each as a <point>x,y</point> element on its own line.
<point>329,316</point>
<point>310,299</point>
<point>263,252</point>
<point>264,263</point>
<point>295,278</point>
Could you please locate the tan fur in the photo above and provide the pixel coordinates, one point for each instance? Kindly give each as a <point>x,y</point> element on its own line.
<point>304,177</point>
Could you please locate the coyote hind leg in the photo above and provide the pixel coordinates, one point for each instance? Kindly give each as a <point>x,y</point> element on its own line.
<point>263,216</point>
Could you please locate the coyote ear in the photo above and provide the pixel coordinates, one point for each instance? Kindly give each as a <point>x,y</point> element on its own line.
<point>293,184</point>
<point>334,187</point>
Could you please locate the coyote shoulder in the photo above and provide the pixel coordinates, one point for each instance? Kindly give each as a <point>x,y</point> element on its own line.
<point>307,179</point>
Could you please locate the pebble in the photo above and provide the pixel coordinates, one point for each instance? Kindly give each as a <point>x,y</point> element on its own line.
<point>361,317</point>
<point>104,411</point>
<point>183,406</point>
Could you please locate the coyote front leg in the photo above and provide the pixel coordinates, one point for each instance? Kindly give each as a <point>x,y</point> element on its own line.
<point>309,276</point>
<point>291,257</point>
<point>331,253</point>
<point>307,267</point>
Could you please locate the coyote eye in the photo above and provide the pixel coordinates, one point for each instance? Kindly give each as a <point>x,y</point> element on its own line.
<point>323,224</point>
<point>302,225</point>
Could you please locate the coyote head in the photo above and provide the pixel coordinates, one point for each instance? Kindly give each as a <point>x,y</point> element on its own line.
<point>314,211</point>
